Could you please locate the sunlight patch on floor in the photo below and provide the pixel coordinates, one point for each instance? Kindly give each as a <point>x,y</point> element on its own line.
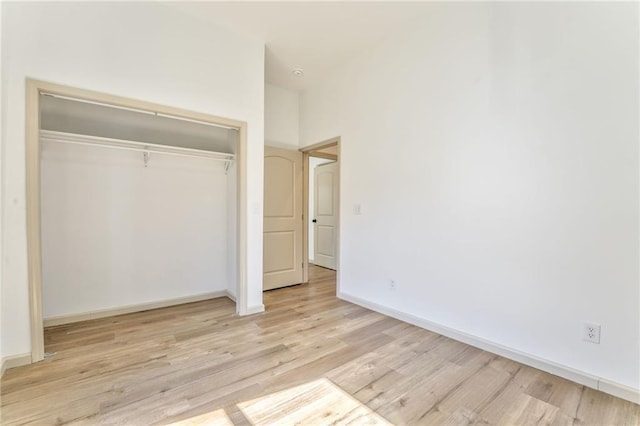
<point>315,403</point>
<point>214,418</point>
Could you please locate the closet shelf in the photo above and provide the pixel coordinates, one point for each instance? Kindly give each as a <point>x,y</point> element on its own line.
<point>144,147</point>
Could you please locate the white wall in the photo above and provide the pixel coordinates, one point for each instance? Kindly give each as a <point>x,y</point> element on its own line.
<point>2,156</point>
<point>281,108</point>
<point>116,233</point>
<point>313,162</point>
<point>494,150</point>
<point>145,51</point>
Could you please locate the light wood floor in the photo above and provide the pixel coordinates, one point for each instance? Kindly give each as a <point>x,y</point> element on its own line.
<point>197,363</point>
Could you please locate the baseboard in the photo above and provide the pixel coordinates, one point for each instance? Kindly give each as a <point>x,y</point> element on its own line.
<point>621,391</point>
<point>581,377</point>
<point>254,309</point>
<point>14,361</point>
<point>103,313</point>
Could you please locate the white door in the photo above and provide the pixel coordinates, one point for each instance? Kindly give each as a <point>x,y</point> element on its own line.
<point>282,243</point>
<point>326,214</point>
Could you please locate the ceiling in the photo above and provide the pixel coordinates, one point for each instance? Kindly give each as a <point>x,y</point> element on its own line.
<point>313,36</point>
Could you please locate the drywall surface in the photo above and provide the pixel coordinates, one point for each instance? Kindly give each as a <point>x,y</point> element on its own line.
<point>494,152</point>
<point>313,162</point>
<point>281,117</point>
<point>3,321</point>
<point>145,51</point>
<point>116,233</point>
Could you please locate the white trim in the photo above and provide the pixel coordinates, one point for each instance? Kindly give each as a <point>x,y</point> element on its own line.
<point>581,377</point>
<point>103,313</point>
<point>242,286</point>
<point>256,309</point>
<point>621,391</point>
<point>14,361</point>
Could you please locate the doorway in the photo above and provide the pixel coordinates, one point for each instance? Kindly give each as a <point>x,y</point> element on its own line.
<point>323,211</point>
<point>35,92</point>
<point>321,206</point>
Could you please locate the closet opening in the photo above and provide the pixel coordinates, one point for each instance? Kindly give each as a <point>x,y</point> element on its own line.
<point>131,206</point>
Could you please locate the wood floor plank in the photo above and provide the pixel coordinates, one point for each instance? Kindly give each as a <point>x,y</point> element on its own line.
<point>198,363</point>
<point>317,402</point>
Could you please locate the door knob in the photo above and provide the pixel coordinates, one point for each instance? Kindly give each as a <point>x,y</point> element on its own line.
<point>314,221</point>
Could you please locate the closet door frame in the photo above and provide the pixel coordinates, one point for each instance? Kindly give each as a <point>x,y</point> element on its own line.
<point>34,249</point>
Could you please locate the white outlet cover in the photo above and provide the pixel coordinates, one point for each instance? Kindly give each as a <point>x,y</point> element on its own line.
<point>591,332</point>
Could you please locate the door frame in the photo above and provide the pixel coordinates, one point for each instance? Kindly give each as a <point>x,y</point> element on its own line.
<point>32,147</point>
<point>311,151</point>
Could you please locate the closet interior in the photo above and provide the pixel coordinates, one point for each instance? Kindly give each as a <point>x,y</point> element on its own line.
<point>138,209</point>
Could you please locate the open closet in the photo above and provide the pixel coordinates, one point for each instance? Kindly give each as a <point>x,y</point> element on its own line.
<point>138,209</point>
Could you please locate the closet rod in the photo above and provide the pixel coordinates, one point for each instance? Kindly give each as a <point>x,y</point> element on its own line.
<point>146,148</point>
<point>143,111</point>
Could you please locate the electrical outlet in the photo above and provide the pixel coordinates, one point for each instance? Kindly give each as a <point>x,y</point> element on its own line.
<point>591,332</point>
<point>392,284</point>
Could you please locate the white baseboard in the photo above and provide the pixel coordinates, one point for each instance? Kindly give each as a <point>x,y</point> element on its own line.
<point>581,377</point>
<point>254,309</point>
<point>103,313</point>
<point>14,361</point>
<point>621,391</point>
